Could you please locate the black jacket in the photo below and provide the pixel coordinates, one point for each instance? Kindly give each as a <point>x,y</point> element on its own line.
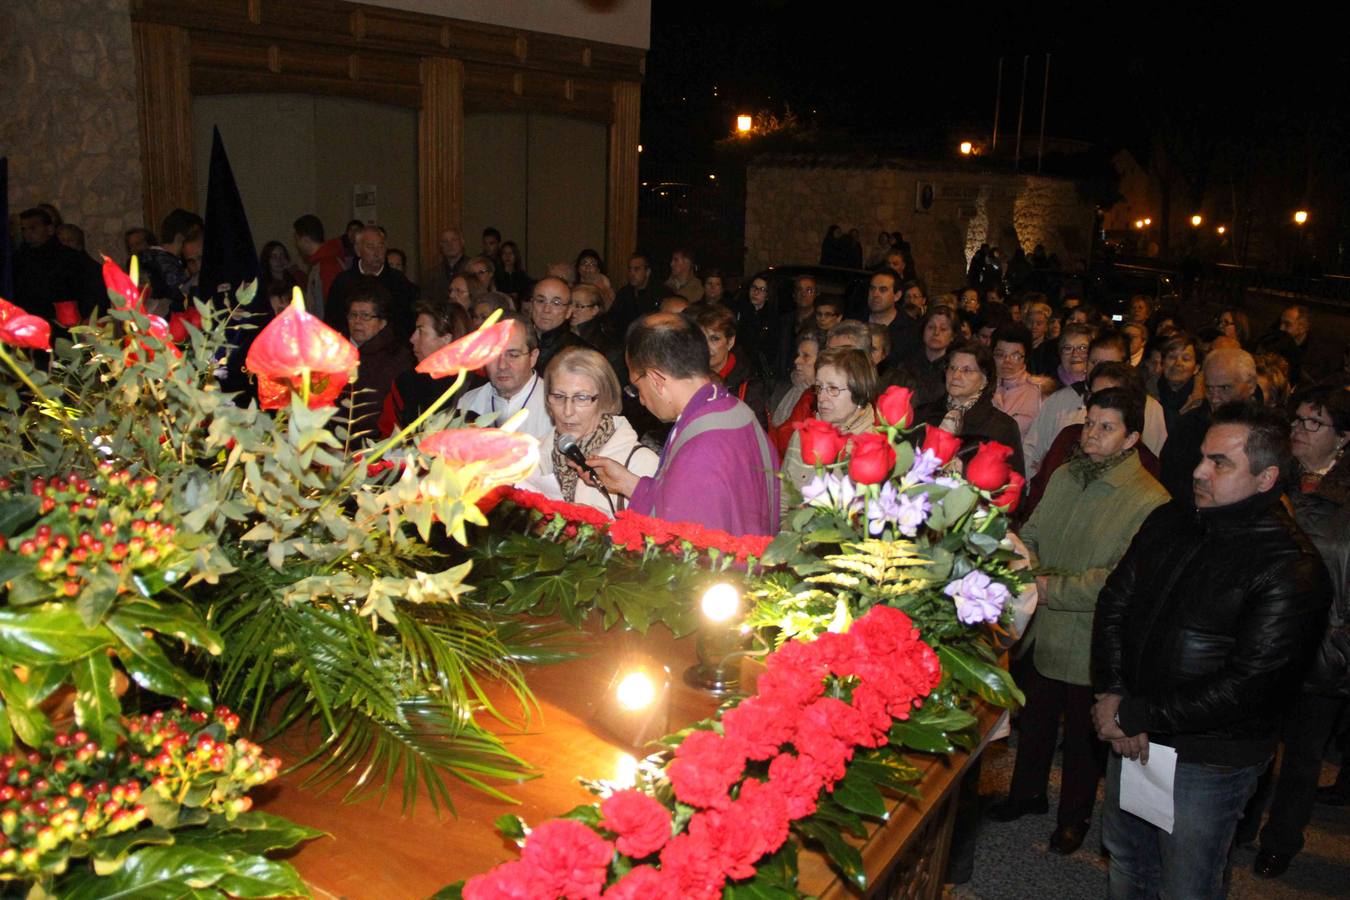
<point>982,422</point>
<point>1181,454</point>
<point>1326,520</point>
<point>765,337</point>
<point>1207,625</point>
<point>402,294</point>
<point>550,342</point>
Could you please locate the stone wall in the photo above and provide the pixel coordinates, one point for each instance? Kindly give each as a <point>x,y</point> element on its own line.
<point>789,206</point>
<point>69,127</point>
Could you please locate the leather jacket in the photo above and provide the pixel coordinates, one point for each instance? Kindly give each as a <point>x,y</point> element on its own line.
<point>1207,625</point>
<point>1327,523</point>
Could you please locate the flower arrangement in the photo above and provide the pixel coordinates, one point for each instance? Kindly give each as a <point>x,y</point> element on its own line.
<point>572,559</point>
<point>156,527</point>
<point>173,791</point>
<point>802,759</point>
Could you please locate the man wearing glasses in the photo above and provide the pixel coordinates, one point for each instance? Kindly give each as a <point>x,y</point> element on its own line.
<point>512,384</point>
<point>383,356</point>
<point>551,313</point>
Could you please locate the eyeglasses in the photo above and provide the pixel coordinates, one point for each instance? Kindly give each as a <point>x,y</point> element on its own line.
<point>585,305</point>
<point>580,401</point>
<point>963,370</point>
<point>1309,424</point>
<point>1014,356</point>
<point>829,390</point>
<point>479,272</point>
<point>1074,349</point>
<point>631,391</point>
<point>515,355</point>
<point>758,288</point>
<point>362,316</point>
<point>807,290</point>
<point>551,301</point>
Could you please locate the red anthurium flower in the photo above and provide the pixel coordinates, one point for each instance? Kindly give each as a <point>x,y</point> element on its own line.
<point>158,329</point>
<point>19,329</point>
<point>121,288</point>
<point>943,443</point>
<point>324,390</point>
<point>296,342</point>
<point>473,351</point>
<point>178,322</point>
<point>508,456</point>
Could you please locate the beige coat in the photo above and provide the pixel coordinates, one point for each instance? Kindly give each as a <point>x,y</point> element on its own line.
<point>622,447</point>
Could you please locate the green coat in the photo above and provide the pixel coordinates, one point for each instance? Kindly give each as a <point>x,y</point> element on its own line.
<point>1083,533</point>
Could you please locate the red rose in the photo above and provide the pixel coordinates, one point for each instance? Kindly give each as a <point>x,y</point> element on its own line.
<point>705,767</point>
<point>989,470</point>
<point>896,406</point>
<point>642,824</point>
<point>67,313</point>
<point>1012,494</point>
<point>821,442</point>
<point>572,859</point>
<point>943,443</point>
<point>872,458</point>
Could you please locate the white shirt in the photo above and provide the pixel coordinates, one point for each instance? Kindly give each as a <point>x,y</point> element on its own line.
<point>1064,408</point>
<point>495,409</point>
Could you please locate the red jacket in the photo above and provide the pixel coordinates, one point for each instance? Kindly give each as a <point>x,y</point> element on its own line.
<point>331,258</point>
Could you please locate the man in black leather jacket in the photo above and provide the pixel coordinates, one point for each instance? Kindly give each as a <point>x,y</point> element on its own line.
<point>1201,636</point>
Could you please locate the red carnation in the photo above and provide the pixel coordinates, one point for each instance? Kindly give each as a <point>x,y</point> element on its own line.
<point>799,781</point>
<point>943,443</point>
<point>821,442</point>
<point>697,872</point>
<point>764,723</point>
<point>569,855</point>
<point>1012,494</point>
<point>705,767</point>
<point>896,406</point>
<point>793,675</point>
<point>510,881</point>
<point>989,469</point>
<point>872,458</point>
<point>641,823</point>
<point>645,883</point>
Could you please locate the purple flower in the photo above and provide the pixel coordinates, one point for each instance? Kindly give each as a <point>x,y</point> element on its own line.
<point>913,513</point>
<point>947,482</point>
<point>884,510</point>
<point>831,492</point>
<point>978,598</point>
<point>921,471</point>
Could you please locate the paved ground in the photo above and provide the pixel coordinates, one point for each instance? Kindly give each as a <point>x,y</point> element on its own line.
<point>1012,861</point>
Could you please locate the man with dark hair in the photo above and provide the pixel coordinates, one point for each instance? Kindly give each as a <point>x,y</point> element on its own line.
<point>326,261</point>
<point>1201,637</point>
<point>383,355</point>
<point>1296,322</point>
<point>370,262</point>
<point>163,266</point>
<point>93,289</point>
<point>492,244</point>
<point>883,296</point>
<point>512,384</point>
<point>47,272</point>
<point>717,467</point>
<point>136,241</point>
<point>1093,507</point>
<point>636,298</point>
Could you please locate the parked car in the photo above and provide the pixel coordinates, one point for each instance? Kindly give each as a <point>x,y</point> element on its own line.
<point>1110,288</point>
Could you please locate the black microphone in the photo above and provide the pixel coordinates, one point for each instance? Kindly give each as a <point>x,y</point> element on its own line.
<point>567,446</point>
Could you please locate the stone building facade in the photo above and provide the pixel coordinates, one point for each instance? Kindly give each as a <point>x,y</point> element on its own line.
<point>70,128</point>
<point>944,213</point>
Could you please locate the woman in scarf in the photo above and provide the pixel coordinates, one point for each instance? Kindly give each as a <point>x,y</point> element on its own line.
<point>582,393</point>
<point>967,409</point>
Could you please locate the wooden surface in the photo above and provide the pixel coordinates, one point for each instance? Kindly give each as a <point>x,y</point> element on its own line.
<point>376,852</point>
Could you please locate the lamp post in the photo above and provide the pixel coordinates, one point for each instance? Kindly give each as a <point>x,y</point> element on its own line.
<point>744,123</point>
<point>966,148</point>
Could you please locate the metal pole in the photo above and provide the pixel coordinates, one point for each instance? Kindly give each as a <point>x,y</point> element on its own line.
<point>1021,106</point>
<point>998,98</point>
<point>1045,96</point>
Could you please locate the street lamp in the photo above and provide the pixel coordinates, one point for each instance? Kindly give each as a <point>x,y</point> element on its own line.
<point>966,148</point>
<point>1222,229</point>
<point>1139,223</point>
<point>1196,220</point>
<point>744,124</point>
<point>1300,217</point>
<point>1148,221</point>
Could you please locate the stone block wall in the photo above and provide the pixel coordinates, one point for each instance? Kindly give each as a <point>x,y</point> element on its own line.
<point>70,128</point>
<point>789,206</point>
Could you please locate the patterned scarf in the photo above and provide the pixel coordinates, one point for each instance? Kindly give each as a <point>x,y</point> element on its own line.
<point>956,412</point>
<point>1085,470</point>
<point>566,475</point>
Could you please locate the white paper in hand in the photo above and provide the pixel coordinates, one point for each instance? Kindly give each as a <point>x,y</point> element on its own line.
<point>1146,791</point>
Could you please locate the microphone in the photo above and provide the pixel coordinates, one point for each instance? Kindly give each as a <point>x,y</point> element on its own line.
<point>567,446</point>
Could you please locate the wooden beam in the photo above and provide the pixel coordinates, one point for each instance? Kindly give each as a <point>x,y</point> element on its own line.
<point>164,105</point>
<point>440,151</point>
<point>621,221</point>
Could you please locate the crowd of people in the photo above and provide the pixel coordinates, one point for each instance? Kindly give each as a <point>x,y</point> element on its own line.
<point>1186,492</point>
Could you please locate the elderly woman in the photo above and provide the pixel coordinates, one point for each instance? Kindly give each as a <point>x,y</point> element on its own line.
<point>1074,345</point>
<point>846,388</point>
<point>967,409</point>
<point>437,324</point>
<point>1036,315</point>
<point>1178,383</point>
<point>1017,394</point>
<point>797,401</point>
<point>582,393</point>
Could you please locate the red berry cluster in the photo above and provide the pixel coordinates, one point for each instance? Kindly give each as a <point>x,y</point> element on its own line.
<point>111,522</point>
<point>77,790</point>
